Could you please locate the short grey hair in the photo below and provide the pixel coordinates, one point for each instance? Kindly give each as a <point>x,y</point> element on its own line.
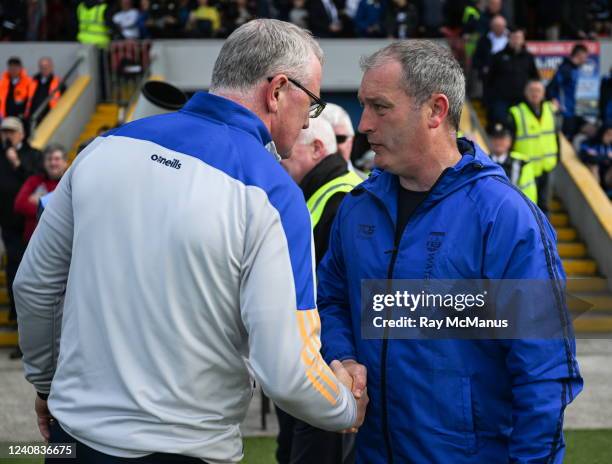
<point>427,68</point>
<point>322,130</point>
<point>337,116</point>
<point>263,48</point>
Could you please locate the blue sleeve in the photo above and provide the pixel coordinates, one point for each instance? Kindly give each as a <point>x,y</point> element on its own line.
<point>333,301</point>
<point>521,245</point>
<point>361,19</point>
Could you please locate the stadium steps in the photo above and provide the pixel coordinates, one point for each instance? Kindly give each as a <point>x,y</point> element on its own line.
<point>106,114</point>
<point>584,282</point>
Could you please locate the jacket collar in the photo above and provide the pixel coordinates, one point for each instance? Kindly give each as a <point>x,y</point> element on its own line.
<point>226,111</point>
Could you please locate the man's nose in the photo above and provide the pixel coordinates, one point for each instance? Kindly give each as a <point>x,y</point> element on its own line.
<point>365,123</point>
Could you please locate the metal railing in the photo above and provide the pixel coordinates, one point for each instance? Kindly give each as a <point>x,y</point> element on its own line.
<point>124,65</point>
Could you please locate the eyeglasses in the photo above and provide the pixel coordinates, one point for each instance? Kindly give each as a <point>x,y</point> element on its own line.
<point>341,138</point>
<point>316,106</point>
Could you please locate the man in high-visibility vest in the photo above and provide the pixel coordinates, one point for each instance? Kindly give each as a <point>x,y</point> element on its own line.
<point>517,166</point>
<point>94,23</point>
<point>14,86</point>
<point>44,84</point>
<point>322,173</point>
<point>533,125</point>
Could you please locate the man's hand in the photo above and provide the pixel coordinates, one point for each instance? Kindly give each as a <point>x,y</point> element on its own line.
<point>359,374</point>
<point>354,376</point>
<point>13,157</point>
<point>43,417</point>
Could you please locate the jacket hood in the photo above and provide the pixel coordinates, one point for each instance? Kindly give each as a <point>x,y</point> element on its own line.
<point>475,164</point>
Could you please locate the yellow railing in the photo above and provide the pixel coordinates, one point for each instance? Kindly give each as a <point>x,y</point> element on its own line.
<point>56,116</point>
<point>588,186</point>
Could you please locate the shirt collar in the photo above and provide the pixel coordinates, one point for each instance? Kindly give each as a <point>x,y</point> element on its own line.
<point>228,112</point>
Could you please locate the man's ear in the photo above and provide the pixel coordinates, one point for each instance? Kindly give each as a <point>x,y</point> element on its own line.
<point>439,107</point>
<point>319,150</point>
<point>273,92</point>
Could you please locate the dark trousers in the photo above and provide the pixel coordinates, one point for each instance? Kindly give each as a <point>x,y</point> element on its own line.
<point>301,443</point>
<point>14,247</point>
<point>87,455</point>
<point>542,186</point>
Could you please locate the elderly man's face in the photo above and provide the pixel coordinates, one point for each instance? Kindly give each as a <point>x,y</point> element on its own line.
<point>13,136</point>
<point>344,140</point>
<point>534,93</point>
<point>55,164</point>
<point>45,67</point>
<point>293,110</point>
<point>14,70</point>
<point>498,25</point>
<point>303,159</point>
<point>390,119</point>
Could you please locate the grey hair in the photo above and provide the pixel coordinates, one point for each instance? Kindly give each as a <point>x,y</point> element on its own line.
<point>338,116</point>
<point>427,68</point>
<point>263,48</point>
<point>322,130</point>
<point>52,148</point>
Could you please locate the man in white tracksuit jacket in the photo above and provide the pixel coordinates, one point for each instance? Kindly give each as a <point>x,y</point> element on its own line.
<point>175,260</point>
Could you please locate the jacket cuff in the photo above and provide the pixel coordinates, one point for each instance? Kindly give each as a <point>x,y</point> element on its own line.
<point>43,396</point>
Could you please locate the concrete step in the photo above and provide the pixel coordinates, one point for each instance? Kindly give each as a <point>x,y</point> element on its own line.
<point>571,250</point>
<point>559,219</point>
<point>8,337</point>
<point>584,284</point>
<point>566,234</point>
<point>4,298</point>
<point>4,318</point>
<point>579,267</point>
<point>600,302</point>
<point>555,206</point>
<point>595,325</point>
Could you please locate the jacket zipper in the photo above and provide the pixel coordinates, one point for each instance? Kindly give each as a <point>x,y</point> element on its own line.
<point>385,346</point>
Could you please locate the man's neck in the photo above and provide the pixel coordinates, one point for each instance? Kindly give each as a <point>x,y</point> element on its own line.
<point>429,167</point>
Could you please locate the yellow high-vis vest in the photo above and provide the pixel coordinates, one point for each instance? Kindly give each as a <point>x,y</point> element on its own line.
<point>526,179</point>
<point>92,27</point>
<point>536,138</point>
<point>316,203</point>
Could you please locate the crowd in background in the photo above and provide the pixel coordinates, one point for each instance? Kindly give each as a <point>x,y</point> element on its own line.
<point>140,19</point>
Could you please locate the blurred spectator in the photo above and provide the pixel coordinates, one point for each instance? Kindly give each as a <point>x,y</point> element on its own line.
<point>205,20</point>
<point>509,72</point>
<point>517,166</point>
<point>323,18</point>
<point>298,14</point>
<point>432,17</point>
<point>402,19</point>
<point>343,129</point>
<point>489,44</point>
<point>369,19</point>
<point>605,99</point>
<point>588,130</point>
<point>562,88</point>
<point>126,21</point>
<point>235,14</point>
<point>535,135</point>
<point>163,19</point>
<point>36,10</point>
<point>493,8</point>
<point>596,153</point>
<point>55,163</point>
<point>13,19</point>
<point>44,84</point>
<point>59,23</point>
<point>18,161</point>
<point>14,88</point>
<point>95,23</point>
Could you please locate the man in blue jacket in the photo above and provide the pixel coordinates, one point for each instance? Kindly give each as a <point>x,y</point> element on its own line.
<point>440,209</point>
<point>562,88</point>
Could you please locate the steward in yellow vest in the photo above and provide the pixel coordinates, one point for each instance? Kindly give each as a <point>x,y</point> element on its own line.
<point>324,178</point>
<point>535,135</point>
<point>517,166</point>
<point>93,18</point>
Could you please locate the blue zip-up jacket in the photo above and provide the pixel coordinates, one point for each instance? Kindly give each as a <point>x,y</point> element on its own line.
<point>449,401</point>
<point>563,87</point>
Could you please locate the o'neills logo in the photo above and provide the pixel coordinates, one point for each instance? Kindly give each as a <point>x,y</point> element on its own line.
<point>173,163</point>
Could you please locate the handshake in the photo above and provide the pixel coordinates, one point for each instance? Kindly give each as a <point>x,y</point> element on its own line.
<point>354,376</point>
